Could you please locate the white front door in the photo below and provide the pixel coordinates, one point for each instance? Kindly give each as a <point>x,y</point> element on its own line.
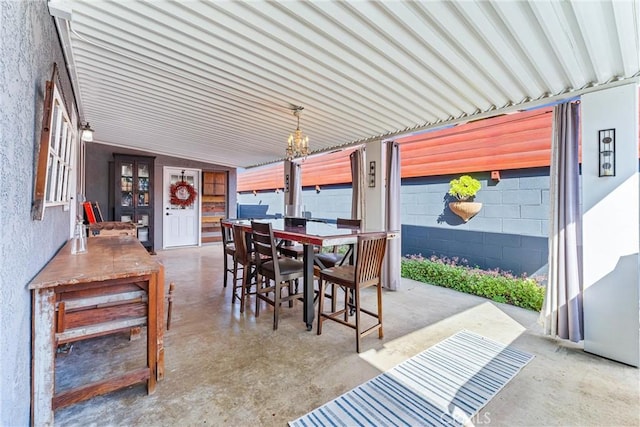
<point>181,221</point>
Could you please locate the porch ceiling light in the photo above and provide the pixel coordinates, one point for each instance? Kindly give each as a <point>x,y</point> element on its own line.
<point>86,133</point>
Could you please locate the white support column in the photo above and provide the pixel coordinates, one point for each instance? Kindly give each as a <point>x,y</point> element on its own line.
<point>611,232</point>
<point>374,196</point>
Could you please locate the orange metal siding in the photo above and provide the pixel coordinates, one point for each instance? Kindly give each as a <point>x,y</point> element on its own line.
<point>514,141</point>
<point>331,168</point>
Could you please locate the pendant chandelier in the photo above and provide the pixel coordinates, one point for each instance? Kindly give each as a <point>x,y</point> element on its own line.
<point>298,145</point>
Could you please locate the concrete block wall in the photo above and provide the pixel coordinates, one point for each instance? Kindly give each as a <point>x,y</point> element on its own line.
<point>510,232</point>
<point>332,202</point>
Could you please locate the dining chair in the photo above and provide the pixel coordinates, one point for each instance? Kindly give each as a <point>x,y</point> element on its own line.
<point>229,250</point>
<point>366,272</point>
<point>282,271</point>
<point>335,257</point>
<point>244,260</point>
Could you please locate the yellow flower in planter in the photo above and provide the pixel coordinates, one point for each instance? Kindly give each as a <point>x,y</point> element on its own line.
<point>464,187</point>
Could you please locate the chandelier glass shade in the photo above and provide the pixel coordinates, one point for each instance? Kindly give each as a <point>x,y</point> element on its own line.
<point>298,144</point>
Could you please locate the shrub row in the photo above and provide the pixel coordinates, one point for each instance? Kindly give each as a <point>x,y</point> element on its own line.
<point>497,285</point>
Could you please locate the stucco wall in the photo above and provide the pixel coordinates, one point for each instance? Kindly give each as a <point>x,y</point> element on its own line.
<point>29,48</point>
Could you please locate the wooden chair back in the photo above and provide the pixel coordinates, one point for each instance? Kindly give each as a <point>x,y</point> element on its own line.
<point>242,243</point>
<point>264,245</point>
<point>371,250</point>
<point>227,235</point>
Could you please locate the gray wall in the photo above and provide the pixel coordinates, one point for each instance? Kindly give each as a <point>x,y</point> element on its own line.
<point>99,181</point>
<point>510,232</point>
<point>332,202</point>
<point>29,47</point>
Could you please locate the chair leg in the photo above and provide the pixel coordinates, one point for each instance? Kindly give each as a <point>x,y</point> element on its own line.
<point>234,290</point>
<point>244,287</point>
<point>226,268</point>
<point>334,297</point>
<point>258,289</point>
<point>357,304</point>
<point>290,290</point>
<point>348,303</point>
<point>276,305</point>
<point>380,332</point>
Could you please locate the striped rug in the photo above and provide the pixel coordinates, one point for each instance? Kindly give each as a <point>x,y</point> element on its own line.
<point>445,385</point>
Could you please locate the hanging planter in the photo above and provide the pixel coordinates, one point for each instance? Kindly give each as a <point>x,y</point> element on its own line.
<point>465,210</point>
<point>464,189</point>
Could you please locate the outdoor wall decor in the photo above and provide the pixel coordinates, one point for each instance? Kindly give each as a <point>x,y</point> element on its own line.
<point>607,152</point>
<point>464,189</point>
<point>57,142</point>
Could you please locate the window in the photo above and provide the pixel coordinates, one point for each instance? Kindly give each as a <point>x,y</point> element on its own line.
<point>56,156</point>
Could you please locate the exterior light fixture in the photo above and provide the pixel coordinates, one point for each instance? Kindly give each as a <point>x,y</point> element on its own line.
<point>86,133</point>
<point>607,152</point>
<point>317,189</point>
<point>372,174</point>
<point>298,144</point>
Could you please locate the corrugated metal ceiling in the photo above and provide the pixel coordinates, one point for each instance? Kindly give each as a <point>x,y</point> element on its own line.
<point>216,80</point>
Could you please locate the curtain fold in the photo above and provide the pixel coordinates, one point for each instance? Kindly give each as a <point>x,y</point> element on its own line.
<point>391,274</point>
<point>357,184</point>
<point>562,311</point>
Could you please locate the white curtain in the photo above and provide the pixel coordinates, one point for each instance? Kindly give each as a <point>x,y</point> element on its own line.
<point>357,184</point>
<point>562,312</point>
<point>392,220</point>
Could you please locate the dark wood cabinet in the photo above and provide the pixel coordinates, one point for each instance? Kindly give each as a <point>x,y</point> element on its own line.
<point>214,205</point>
<point>133,194</point>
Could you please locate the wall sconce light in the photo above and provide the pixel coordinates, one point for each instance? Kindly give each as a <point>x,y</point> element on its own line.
<point>607,152</point>
<point>317,189</point>
<point>255,193</point>
<point>372,174</point>
<point>86,133</point>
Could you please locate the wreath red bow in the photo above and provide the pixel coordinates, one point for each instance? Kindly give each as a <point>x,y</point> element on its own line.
<point>182,194</point>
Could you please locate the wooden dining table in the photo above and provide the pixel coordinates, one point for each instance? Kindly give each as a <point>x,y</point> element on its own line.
<point>312,233</point>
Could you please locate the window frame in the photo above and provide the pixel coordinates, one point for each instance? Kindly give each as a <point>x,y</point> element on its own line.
<point>57,154</point>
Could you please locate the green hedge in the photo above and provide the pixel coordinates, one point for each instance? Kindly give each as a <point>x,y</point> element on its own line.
<point>499,286</point>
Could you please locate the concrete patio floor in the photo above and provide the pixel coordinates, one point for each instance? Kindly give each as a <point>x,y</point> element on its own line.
<point>224,368</point>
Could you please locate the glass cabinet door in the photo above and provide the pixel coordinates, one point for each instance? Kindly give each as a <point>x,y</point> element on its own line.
<point>133,195</point>
<point>126,184</point>
<point>144,195</point>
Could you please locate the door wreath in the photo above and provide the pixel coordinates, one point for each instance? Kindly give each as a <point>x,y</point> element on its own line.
<point>182,194</point>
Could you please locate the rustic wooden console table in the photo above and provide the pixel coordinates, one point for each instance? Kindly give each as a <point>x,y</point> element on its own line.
<point>115,286</point>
